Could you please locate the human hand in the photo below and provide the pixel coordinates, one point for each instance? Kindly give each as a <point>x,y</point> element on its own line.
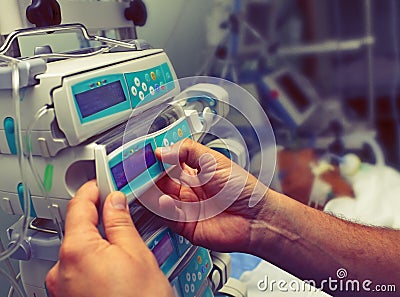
<point>207,200</point>
<point>89,265</point>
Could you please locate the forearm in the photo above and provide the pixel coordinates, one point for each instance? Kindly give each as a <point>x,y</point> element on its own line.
<point>314,245</point>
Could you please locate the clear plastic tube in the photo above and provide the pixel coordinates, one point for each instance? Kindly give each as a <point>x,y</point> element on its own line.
<point>39,181</point>
<point>6,253</point>
<point>11,291</point>
<point>41,112</point>
<point>15,287</point>
<point>8,262</point>
<point>18,139</point>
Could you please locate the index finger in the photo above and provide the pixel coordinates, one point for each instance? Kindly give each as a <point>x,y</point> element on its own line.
<point>82,215</point>
<point>186,151</point>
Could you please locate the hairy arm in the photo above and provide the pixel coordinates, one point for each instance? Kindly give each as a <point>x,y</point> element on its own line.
<point>304,241</point>
<point>314,245</point>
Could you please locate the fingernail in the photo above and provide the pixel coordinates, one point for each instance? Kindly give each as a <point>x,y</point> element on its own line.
<point>165,149</point>
<point>118,200</point>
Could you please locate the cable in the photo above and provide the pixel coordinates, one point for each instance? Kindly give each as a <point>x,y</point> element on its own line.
<point>15,286</point>
<point>11,291</point>
<point>41,112</point>
<point>6,253</point>
<point>18,139</point>
<point>8,262</point>
<point>43,187</point>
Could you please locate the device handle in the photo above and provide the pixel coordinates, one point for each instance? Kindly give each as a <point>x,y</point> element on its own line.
<point>64,27</point>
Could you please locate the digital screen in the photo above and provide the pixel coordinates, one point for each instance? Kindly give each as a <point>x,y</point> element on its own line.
<point>126,171</point>
<point>100,98</point>
<point>292,89</point>
<point>163,250</point>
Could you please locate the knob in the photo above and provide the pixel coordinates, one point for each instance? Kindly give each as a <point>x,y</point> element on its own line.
<point>24,251</point>
<point>136,12</point>
<point>44,13</point>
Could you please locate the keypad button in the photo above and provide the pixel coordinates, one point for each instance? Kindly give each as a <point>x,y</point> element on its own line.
<point>141,95</point>
<point>134,91</point>
<point>136,81</point>
<point>144,87</point>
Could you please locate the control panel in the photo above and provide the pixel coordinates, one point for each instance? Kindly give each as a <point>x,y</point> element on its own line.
<point>186,266</point>
<point>195,273</point>
<point>84,98</point>
<point>103,98</point>
<point>133,167</point>
<point>67,119</point>
<point>149,84</point>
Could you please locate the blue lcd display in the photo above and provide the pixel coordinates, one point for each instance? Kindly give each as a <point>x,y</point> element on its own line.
<point>126,171</point>
<point>98,99</point>
<point>163,249</point>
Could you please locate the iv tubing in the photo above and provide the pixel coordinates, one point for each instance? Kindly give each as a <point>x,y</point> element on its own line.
<point>11,291</point>
<point>14,283</point>
<point>40,183</point>
<point>4,255</point>
<point>24,218</point>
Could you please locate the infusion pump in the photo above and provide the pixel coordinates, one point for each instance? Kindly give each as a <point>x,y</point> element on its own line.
<point>88,96</point>
<point>99,116</point>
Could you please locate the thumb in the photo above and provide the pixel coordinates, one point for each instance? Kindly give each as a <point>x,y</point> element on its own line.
<point>118,225</point>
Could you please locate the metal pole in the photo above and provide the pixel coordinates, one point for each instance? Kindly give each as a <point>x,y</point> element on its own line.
<point>370,63</point>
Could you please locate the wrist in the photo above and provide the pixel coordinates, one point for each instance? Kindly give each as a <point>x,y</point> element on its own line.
<point>264,227</point>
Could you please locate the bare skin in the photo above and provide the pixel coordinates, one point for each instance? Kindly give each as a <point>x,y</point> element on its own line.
<point>308,243</point>
<point>304,241</point>
<point>89,265</point>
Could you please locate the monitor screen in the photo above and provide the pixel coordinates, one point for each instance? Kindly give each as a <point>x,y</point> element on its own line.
<point>294,91</point>
<point>95,100</point>
<point>127,170</point>
<point>163,249</point>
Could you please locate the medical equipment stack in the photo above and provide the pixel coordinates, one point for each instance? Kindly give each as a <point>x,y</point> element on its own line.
<point>69,118</point>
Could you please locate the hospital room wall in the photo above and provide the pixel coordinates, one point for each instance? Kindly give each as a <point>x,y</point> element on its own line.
<point>178,26</point>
